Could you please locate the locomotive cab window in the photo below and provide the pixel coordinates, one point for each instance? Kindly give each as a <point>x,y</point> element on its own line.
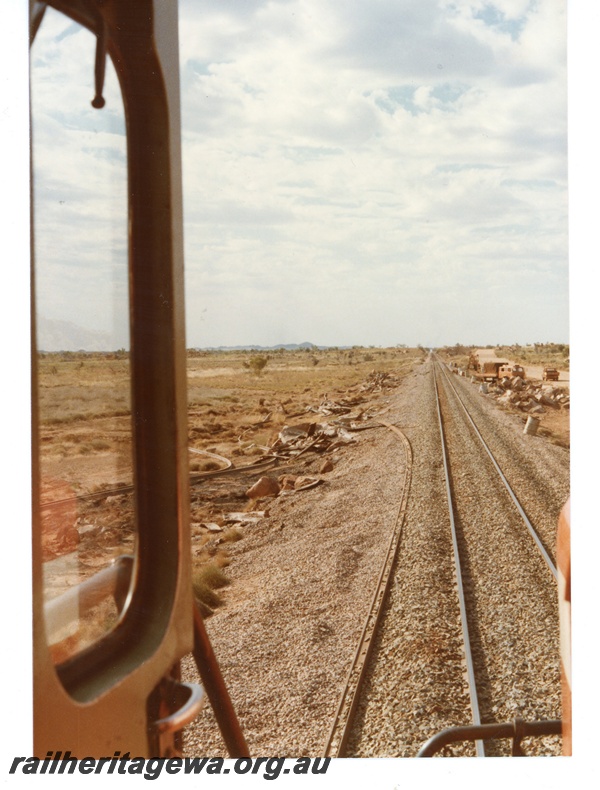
<point>82,336</point>
<point>112,592</point>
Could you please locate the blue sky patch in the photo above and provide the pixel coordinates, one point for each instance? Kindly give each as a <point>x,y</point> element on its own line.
<point>449,92</point>
<point>493,17</point>
<point>445,93</point>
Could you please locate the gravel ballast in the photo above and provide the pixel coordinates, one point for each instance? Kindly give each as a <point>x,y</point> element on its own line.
<point>303,578</point>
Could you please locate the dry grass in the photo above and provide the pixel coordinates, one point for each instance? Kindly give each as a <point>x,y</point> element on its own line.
<point>70,392</point>
<point>232,535</point>
<point>225,378</point>
<point>85,419</point>
<point>86,440</point>
<point>212,575</point>
<point>205,581</point>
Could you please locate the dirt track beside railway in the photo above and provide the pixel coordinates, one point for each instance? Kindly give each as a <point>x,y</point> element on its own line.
<point>303,576</point>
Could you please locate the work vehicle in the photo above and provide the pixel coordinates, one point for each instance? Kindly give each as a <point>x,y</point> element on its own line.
<point>490,370</point>
<point>550,374</point>
<point>512,370</point>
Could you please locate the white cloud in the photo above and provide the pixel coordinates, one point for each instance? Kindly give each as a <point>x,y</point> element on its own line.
<point>80,202</point>
<point>351,168</point>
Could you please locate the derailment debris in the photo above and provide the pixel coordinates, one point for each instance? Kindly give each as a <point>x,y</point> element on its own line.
<point>529,396</point>
<point>264,487</point>
<point>293,440</point>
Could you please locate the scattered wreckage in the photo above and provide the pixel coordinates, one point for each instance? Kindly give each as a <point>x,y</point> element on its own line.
<point>336,424</point>
<point>528,396</point>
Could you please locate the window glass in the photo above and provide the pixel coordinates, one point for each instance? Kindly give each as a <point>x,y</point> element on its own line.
<point>82,328</point>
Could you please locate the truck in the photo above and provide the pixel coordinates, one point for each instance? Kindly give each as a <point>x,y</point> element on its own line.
<point>512,370</point>
<point>489,370</point>
<point>550,374</point>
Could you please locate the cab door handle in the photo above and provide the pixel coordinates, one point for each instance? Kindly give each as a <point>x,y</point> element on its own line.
<point>163,732</point>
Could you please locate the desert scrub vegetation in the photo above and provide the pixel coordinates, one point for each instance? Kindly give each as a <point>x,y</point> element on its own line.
<point>204,466</point>
<point>229,411</point>
<point>205,581</point>
<point>232,535</point>
<point>100,386</point>
<point>256,364</point>
<point>290,372</point>
<point>234,414</point>
<point>84,414</point>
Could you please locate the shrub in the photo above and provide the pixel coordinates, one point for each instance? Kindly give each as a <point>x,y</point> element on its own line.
<point>232,535</point>
<point>206,595</point>
<point>213,576</point>
<point>204,583</point>
<point>257,364</point>
<point>210,466</point>
<point>205,610</point>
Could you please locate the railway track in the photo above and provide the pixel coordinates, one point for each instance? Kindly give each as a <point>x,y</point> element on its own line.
<point>500,631</point>
<point>227,471</point>
<point>340,730</point>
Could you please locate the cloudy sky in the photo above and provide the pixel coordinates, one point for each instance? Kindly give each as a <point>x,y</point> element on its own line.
<point>369,172</point>
<point>461,186</point>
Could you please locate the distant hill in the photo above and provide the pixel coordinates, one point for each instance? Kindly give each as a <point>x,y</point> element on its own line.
<point>286,346</point>
<point>55,335</point>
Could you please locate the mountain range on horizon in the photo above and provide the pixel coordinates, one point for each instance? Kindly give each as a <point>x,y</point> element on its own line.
<point>253,347</point>
<point>54,335</point>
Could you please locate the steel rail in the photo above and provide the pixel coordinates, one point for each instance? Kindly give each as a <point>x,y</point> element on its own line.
<point>260,466</point>
<point>528,524</point>
<point>342,723</point>
<point>227,471</point>
<point>471,682</point>
<point>228,463</point>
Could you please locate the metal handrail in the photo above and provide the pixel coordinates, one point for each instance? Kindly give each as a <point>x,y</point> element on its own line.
<point>516,730</point>
<point>78,601</point>
<point>190,697</point>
